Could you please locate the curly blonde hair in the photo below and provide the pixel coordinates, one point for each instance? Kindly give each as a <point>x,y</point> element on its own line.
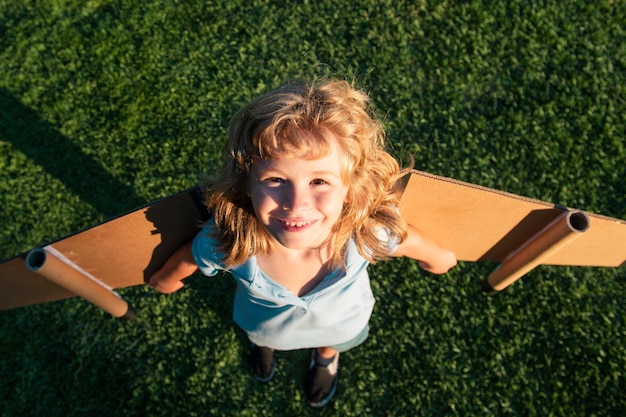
<point>292,120</point>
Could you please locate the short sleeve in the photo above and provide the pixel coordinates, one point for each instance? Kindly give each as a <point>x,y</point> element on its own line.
<point>388,240</point>
<point>204,250</point>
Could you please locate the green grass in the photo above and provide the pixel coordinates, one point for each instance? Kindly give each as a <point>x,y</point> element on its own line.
<point>107,105</point>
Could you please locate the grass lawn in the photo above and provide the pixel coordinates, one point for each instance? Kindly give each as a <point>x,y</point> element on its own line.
<point>109,104</point>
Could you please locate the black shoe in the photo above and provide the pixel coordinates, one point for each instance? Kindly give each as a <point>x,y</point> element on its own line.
<point>262,363</point>
<point>321,382</point>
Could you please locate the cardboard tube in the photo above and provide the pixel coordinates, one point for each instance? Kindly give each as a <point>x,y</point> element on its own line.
<point>63,274</point>
<point>538,249</point>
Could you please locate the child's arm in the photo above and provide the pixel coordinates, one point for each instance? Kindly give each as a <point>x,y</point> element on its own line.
<point>432,257</point>
<point>179,266</point>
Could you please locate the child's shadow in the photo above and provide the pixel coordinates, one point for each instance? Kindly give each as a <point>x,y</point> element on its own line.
<point>63,158</point>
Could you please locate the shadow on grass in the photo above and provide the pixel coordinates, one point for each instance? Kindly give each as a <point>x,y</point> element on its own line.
<point>68,358</point>
<point>66,161</point>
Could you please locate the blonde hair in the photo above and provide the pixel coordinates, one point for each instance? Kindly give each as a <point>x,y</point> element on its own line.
<point>292,120</point>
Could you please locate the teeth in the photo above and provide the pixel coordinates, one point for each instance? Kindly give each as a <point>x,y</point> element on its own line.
<point>296,224</point>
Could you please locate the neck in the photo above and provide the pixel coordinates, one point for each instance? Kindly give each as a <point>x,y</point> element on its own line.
<point>322,254</point>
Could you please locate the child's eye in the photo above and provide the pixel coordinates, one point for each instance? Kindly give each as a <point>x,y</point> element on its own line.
<point>274,180</point>
<point>319,181</point>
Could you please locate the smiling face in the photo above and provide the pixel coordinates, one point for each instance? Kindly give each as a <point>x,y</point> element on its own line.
<point>299,200</point>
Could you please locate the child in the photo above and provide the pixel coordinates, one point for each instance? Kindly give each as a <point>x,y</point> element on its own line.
<point>305,201</point>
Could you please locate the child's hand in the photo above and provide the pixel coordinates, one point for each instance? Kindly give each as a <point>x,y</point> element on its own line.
<point>179,266</point>
<point>165,286</point>
<point>445,261</point>
<point>432,257</point>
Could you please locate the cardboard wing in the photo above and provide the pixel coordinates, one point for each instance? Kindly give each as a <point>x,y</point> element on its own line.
<point>477,223</point>
<point>483,224</point>
<point>119,253</point>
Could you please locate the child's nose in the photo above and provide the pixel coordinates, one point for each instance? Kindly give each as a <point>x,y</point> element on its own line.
<point>296,199</point>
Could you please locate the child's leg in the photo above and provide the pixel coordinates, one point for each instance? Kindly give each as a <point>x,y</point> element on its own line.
<point>326,352</point>
<point>323,376</point>
<point>262,363</point>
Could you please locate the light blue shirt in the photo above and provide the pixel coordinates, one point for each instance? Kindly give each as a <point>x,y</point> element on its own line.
<point>334,312</point>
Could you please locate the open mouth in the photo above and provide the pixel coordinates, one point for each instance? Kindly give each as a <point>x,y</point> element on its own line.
<point>296,224</point>
<point>293,225</point>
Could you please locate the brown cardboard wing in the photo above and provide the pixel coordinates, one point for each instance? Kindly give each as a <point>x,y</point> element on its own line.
<point>482,224</point>
<point>477,223</point>
<point>118,253</point>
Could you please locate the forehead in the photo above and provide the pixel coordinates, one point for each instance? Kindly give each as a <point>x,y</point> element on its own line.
<point>291,140</point>
<point>331,163</point>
